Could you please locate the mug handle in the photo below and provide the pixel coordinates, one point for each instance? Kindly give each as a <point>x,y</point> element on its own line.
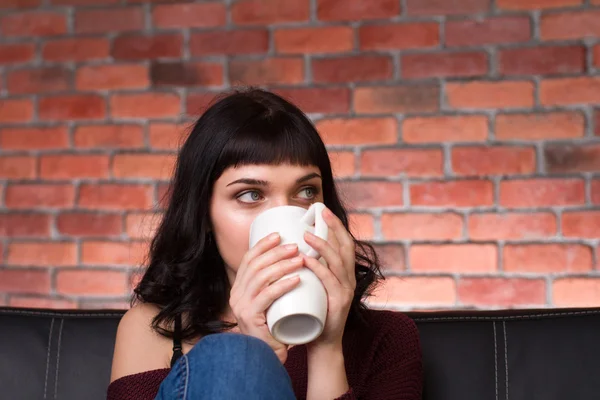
<point>314,215</point>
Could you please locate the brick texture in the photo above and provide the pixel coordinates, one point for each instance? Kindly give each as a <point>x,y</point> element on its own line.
<point>463,136</point>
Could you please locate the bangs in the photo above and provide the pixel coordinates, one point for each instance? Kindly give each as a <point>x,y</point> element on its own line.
<point>271,140</point>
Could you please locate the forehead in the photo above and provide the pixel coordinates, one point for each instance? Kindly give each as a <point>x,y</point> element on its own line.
<point>280,173</point>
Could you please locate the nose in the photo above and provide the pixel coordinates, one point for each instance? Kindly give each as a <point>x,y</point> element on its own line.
<point>281,201</point>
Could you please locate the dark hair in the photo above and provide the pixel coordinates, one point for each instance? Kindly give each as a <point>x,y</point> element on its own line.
<point>185,273</point>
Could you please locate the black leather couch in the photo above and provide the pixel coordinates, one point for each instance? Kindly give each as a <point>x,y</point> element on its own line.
<point>479,355</point>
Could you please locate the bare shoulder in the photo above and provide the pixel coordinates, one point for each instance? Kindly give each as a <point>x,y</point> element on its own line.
<point>138,348</point>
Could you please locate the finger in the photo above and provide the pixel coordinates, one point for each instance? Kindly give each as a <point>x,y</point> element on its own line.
<point>335,225</point>
<point>272,292</point>
<point>267,258</point>
<point>272,273</point>
<point>330,281</point>
<point>331,256</point>
<point>262,246</point>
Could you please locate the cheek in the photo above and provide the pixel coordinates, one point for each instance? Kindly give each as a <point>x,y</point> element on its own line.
<point>231,234</point>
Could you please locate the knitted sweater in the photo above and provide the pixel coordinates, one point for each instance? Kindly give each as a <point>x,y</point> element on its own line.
<point>383,361</point>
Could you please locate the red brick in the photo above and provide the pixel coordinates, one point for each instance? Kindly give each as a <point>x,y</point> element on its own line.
<point>41,302</point>
<point>399,36</point>
<point>38,80</point>
<point>19,4</point>
<point>582,224</point>
<point>570,25</point>
<point>547,125</point>
<point>24,281</point>
<point>361,226</point>
<point>464,258</point>
<point>37,195</point>
<point>372,193</point>
<point>342,163</point>
<point>267,12</point>
<point>352,131</point>
<point>197,102</point>
<point>91,282</point>
<point>595,188</point>
<point>145,105</point>
<point>535,4</point>
<point>16,53</point>
<point>163,195</point>
<point>109,20</point>
<point>17,167</point>
<point>500,292</point>
<point>497,160</point>
<point>115,196</point>
<point>112,77</point>
<point>422,226</point>
<point>597,122</point>
<point>542,60</point>
<point>467,193</point>
<point>576,292</point>
<point>570,158</point>
<point>153,166</point>
<point>494,30</point>
<point>580,90</point>
<point>34,138</point>
<point>16,110</point>
<point>109,136</point>
<point>511,226</point>
<point>38,23</point>
<point>74,106</point>
<point>547,258</point>
<point>76,49</point>
<point>445,7</point>
<point>542,192</point>
<point>189,15</point>
<point>331,39</point>
<point>269,71</point>
<point>107,304</point>
<point>24,225</point>
<point>82,2</point>
<point>397,99</point>
<point>180,74</point>
<point>344,10</point>
<point>596,55</point>
<point>492,94</point>
<point>412,291</point>
<point>113,253</point>
<point>141,46</point>
<point>441,129</point>
<point>142,226</point>
<point>167,136</point>
<point>363,68</point>
<point>402,162</point>
<point>318,100</point>
<point>73,166</point>
<point>42,254</point>
<point>239,41</point>
<point>391,257</point>
<point>444,64</point>
<point>89,225</point>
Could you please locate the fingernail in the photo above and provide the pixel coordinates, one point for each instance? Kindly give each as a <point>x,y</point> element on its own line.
<point>296,259</point>
<point>273,236</point>
<point>290,246</point>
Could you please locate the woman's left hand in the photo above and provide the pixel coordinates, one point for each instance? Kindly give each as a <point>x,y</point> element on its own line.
<point>338,277</point>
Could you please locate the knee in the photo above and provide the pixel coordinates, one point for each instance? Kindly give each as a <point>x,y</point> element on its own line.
<point>229,344</point>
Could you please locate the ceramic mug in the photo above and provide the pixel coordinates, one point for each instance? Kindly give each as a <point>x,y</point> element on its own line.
<point>298,316</point>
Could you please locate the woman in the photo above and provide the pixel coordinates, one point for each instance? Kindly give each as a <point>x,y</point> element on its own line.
<point>197,328</point>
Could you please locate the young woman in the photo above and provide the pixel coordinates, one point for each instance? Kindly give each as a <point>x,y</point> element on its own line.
<point>197,328</point>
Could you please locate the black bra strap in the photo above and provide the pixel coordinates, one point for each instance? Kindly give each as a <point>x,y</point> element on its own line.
<point>177,350</point>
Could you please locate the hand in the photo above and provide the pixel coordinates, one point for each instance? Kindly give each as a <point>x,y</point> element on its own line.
<point>338,277</point>
<point>254,289</point>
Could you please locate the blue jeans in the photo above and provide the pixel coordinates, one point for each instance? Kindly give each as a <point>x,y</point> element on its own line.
<point>228,366</point>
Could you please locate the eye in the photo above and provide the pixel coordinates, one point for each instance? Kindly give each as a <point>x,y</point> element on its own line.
<point>250,196</point>
<point>311,191</point>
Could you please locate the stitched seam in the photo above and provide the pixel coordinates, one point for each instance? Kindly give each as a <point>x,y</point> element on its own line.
<point>61,315</point>
<point>495,360</point>
<point>505,318</point>
<point>187,374</point>
<point>505,356</point>
<point>48,356</point>
<point>58,358</point>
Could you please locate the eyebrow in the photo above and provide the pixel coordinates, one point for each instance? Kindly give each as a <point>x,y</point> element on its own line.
<point>261,182</point>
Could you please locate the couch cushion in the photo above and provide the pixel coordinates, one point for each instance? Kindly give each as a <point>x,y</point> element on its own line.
<point>508,355</point>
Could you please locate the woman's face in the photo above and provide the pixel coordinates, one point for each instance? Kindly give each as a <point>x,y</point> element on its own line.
<point>241,193</point>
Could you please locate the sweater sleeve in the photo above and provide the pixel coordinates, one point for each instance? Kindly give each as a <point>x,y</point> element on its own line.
<point>397,370</point>
<point>141,386</point>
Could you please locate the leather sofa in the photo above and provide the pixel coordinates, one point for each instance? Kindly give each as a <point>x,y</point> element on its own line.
<point>542,354</point>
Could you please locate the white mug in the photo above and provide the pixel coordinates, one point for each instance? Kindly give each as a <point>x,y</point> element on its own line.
<point>298,316</point>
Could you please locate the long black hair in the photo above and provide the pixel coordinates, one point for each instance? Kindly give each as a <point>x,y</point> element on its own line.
<point>185,273</point>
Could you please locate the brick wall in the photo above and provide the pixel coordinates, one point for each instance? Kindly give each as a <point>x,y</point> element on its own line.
<point>464,134</point>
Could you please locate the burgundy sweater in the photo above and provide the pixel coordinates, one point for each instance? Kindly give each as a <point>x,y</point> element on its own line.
<point>383,361</point>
